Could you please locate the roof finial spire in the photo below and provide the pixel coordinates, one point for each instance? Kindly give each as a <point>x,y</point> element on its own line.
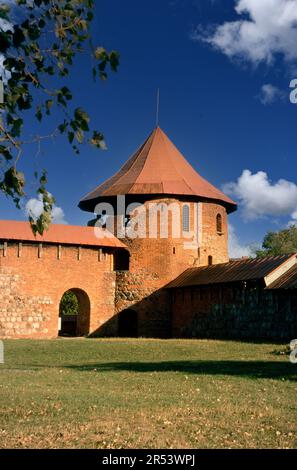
<point>158,105</point>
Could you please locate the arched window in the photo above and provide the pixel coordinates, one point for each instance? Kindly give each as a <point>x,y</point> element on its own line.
<point>186,218</point>
<point>219,223</point>
<point>210,260</point>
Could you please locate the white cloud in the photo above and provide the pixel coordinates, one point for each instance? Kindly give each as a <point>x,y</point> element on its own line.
<point>268,28</point>
<point>259,197</point>
<point>270,93</point>
<point>5,25</point>
<point>34,208</point>
<point>236,249</point>
<point>293,220</point>
<point>58,215</point>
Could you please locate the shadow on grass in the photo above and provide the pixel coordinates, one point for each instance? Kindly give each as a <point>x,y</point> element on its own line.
<point>250,369</point>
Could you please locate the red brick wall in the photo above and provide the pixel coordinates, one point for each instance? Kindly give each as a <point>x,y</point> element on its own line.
<point>33,281</point>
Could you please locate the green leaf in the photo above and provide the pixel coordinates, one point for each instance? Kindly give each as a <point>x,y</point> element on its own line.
<point>4,10</point>
<point>39,114</point>
<point>66,92</point>
<point>81,115</point>
<point>63,127</point>
<point>33,32</point>
<point>15,125</point>
<point>4,41</point>
<point>48,105</point>
<point>70,136</point>
<point>5,152</point>
<point>18,37</point>
<point>103,75</point>
<point>114,58</point>
<point>79,136</point>
<point>98,140</point>
<point>100,53</point>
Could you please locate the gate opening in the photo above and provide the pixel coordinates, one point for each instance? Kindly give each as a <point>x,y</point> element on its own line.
<point>128,324</point>
<point>74,313</point>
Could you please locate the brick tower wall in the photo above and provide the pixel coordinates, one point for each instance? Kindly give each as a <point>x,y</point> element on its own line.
<point>156,261</point>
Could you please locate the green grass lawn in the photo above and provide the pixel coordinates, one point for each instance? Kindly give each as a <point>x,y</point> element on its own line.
<point>135,393</point>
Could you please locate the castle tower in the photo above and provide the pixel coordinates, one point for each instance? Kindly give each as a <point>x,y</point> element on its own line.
<point>174,219</point>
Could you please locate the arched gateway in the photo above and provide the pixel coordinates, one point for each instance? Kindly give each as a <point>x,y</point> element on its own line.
<point>74,313</point>
<point>128,323</point>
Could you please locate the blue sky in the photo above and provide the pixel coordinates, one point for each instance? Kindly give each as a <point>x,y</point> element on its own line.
<point>212,105</point>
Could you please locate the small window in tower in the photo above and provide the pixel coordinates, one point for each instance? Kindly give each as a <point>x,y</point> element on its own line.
<point>210,260</point>
<point>219,223</point>
<point>186,218</point>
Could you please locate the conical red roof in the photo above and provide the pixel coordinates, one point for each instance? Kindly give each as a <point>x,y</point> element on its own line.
<point>156,168</point>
